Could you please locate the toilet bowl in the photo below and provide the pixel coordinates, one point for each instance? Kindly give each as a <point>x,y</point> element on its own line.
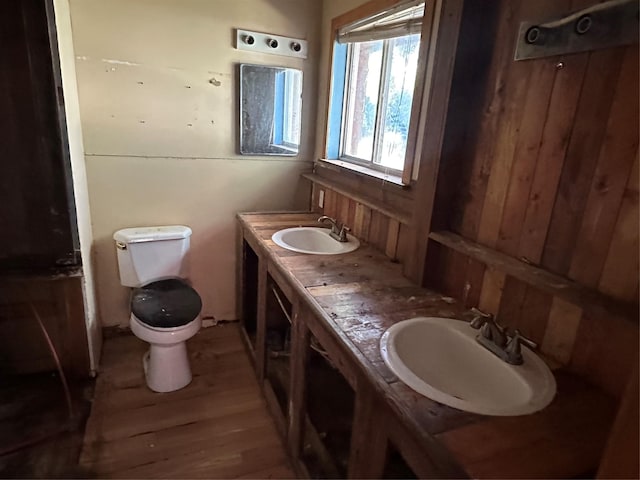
<point>165,309</point>
<point>166,314</point>
<point>166,363</point>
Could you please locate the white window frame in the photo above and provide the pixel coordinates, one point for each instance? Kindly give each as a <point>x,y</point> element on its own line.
<point>383,91</point>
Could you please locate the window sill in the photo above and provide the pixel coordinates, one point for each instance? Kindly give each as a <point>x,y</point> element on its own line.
<point>362,170</point>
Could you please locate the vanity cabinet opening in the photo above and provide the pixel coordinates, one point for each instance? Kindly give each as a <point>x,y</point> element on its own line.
<point>278,343</point>
<point>330,404</point>
<point>249,293</point>
<point>395,465</point>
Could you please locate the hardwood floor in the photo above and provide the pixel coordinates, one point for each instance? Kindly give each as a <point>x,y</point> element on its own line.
<point>217,427</point>
<point>38,439</point>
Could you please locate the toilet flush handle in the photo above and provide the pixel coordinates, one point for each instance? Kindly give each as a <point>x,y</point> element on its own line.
<point>121,245</point>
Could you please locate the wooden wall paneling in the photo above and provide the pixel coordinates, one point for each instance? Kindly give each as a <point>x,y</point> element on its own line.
<point>561,330</point>
<point>348,213</point>
<point>315,199</point>
<point>358,220</point>
<point>473,180</point>
<point>339,200</point>
<point>446,270</point>
<point>527,146</point>
<point>516,82</point>
<point>405,238</point>
<point>620,273</point>
<point>472,289</point>
<point>391,245</point>
<point>390,199</point>
<point>534,314</point>
<point>330,202</point>
<point>520,117</point>
<point>456,274</point>
<point>474,71</point>
<point>378,231</point>
<point>615,163</point>
<point>557,131</point>
<point>581,158</point>
<point>364,220</point>
<point>351,214</point>
<point>523,94</point>
<point>511,302</point>
<point>343,211</point>
<point>491,291</point>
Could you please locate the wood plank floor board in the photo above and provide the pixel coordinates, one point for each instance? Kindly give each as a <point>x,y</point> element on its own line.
<point>133,396</point>
<point>215,437</point>
<point>216,427</point>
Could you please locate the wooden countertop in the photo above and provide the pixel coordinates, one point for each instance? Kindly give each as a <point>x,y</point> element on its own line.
<point>361,294</point>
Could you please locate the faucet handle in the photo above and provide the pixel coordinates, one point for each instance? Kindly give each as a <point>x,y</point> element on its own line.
<point>480,318</point>
<point>514,350</point>
<point>524,340</point>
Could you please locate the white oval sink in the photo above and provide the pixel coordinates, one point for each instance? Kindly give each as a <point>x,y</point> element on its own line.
<point>313,240</point>
<point>441,359</point>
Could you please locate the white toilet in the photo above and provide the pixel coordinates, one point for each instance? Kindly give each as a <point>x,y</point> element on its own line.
<point>165,310</point>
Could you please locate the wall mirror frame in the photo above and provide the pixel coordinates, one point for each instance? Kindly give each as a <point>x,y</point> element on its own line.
<point>270,110</point>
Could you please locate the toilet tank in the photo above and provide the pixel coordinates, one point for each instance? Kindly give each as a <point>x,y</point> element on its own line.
<point>147,254</point>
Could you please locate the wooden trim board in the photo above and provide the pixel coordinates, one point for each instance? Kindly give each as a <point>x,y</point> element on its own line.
<point>587,298</point>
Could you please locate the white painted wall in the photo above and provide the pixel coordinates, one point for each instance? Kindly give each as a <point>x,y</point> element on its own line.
<point>79,174</point>
<point>157,84</point>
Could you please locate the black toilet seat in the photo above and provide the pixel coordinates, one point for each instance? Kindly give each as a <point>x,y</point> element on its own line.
<point>166,303</point>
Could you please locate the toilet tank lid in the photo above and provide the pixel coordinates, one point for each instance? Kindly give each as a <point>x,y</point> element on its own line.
<point>151,234</point>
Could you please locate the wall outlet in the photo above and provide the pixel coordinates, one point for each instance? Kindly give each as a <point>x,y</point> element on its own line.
<point>321,199</point>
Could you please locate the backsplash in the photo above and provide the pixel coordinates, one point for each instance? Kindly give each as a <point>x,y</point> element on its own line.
<point>384,232</point>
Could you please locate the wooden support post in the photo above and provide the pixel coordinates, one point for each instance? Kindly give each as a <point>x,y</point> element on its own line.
<point>368,438</point>
<point>261,327</point>
<point>298,381</point>
<point>441,54</point>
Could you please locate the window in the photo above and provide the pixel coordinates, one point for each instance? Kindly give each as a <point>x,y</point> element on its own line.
<point>287,112</point>
<point>292,118</point>
<point>374,75</point>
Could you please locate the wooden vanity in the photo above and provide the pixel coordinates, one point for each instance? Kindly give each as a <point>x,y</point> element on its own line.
<point>312,324</point>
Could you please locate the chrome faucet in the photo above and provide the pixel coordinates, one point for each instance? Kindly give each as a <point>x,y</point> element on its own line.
<point>338,231</point>
<point>495,338</point>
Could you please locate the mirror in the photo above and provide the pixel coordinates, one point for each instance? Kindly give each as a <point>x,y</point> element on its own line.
<point>270,110</point>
